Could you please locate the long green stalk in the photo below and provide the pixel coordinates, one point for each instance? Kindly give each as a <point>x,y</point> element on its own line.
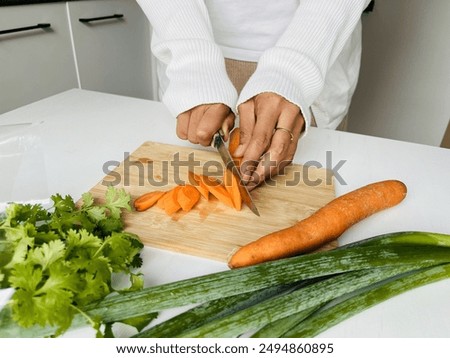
<point>279,327</point>
<point>404,238</point>
<point>372,295</point>
<point>209,311</point>
<point>259,315</point>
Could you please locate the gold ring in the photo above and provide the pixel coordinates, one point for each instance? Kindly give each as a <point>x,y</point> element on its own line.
<point>286,130</point>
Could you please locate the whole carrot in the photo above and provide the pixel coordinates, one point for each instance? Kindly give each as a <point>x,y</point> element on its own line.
<point>325,225</point>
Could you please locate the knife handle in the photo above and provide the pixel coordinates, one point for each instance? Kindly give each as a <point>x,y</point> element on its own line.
<point>214,139</point>
<point>220,132</point>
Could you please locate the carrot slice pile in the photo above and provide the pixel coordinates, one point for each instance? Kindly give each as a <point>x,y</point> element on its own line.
<point>186,197</point>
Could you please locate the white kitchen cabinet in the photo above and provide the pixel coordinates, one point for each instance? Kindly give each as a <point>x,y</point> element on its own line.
<point>36,63</point>
<point>107,55</point>
<point>112,47</point>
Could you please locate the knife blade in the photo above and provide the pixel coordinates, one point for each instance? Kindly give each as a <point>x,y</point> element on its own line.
<point>219,144</point>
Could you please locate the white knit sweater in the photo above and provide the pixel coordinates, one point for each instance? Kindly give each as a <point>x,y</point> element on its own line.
<point>308,51</point>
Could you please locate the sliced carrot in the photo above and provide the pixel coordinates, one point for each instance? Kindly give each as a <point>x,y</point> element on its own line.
<point>203,189</point>
<point>325,225</point>
<point>147,200</point>
<point>171,204</point>
<point>188,196</point>
<point>228,181</point>
<point>232,186</point>
<point>221,193</point>
<point>161,201</point>
<point>217,190</point>
<point>195,180</point>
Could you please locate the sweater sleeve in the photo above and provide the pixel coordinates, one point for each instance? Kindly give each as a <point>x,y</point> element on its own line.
<point>183,41</point>
<point>297,65</point>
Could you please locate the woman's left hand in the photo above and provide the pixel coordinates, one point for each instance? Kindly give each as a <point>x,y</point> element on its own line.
<point>199,124</point>
<point>270,127</point>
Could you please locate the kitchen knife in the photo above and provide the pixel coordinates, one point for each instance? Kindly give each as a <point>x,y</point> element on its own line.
<point>219,144</point>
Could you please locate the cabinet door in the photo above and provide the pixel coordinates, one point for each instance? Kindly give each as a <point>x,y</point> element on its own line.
<point>35,63</point>
<point>112,47</point>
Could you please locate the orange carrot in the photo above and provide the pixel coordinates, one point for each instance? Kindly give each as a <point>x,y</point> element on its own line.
<point>235,137</point>
<point>188,196</point>
<point>171,204</point>
<point>325,225</point>
<point>147,200</point>
<point>161,201</point>
<point>216,189</point>
<point>232,186</point>
<point>195,180</point>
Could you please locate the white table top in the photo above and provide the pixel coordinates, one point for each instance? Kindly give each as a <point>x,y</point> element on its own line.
<point>79,131</point>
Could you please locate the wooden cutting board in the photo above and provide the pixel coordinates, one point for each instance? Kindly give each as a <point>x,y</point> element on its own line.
<point>212,230</point>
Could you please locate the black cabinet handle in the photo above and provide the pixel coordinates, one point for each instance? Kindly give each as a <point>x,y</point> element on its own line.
<point>91,19</point>
<point>26,28</point>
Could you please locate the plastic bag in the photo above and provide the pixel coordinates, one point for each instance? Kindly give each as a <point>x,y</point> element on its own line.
<point>22,163</point>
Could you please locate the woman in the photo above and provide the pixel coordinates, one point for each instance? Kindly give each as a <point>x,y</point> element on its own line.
<point>280,66</point>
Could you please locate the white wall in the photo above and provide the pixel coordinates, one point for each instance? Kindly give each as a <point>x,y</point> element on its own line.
<point>404,86</point>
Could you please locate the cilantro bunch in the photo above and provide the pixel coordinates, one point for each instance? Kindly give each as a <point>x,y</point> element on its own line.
<point>59,260</point>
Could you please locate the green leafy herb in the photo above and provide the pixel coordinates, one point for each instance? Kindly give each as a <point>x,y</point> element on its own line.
<point>61,259</point>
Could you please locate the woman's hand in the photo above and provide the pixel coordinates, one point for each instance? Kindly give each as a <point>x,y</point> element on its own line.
<point>270,127</point>
<point>199,124</point>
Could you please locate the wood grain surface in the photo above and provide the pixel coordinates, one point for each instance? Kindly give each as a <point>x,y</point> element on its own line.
<point>212,230</point>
